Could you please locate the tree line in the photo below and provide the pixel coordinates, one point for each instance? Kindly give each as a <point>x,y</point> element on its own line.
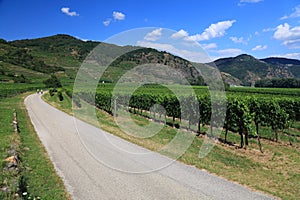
<point>279,83</point>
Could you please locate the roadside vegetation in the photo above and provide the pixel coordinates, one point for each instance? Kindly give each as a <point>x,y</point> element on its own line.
<point>33,176</point>
<point>275,171</point>
<point>26,171</point>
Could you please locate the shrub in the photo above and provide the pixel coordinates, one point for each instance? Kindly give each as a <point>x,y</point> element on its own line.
<point>52,91</point>
<point>59,94</point>
<point>53,82</point>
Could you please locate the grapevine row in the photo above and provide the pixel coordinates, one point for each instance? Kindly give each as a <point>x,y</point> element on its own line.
<point>241,112</point>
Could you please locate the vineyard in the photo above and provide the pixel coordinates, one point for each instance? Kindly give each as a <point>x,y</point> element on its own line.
<point>246,112</point>
<point>12,89</point>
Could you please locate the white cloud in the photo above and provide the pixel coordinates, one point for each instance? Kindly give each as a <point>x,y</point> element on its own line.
<point>209,46</point>
<point>154,35</point>
<point>79,38</point>
<point>118,15</point>
<point>107,22</point>
<point>259,48</point>
<point>287,55</point>
<point>285,32</point>
<point>231,52</point>
<point>238,40</point>
<point>289,35</point>
<point>295,14</point>
<point>66,11</point>
<point>180,34</point>
<point>256,33</point>
<point>292,43</point>
<point>243,2</point>
<point>268,29</point>
<point>213,31</point>
<point>193,56</point>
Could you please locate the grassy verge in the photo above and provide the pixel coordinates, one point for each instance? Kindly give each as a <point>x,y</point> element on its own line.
<point>275,172</point>
<point>37,177</point>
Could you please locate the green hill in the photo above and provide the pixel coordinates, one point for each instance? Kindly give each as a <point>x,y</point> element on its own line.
<point>244,67</point>
<point>64,54</point>
<point>23,57</point>
<point>184,68</point>
<point>291,65</point>
<point>249,69</point>
<point>33,60</point>
<point>60,50</point>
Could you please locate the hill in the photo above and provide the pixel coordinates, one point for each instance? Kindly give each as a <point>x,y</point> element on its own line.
<point>64,54</point>
<point>249,69</point>
<point>289,64</point>
<point>60,50</point>
<point>141,56</point>
<point>23,57</point>
<point>244,67</point>
<point>35,59</point>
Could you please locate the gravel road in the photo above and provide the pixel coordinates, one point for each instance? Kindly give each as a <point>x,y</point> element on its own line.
<point>87,178</point>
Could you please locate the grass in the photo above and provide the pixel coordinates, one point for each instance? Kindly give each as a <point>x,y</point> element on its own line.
<point>275,172</point>
<point>265,91</point>
<point>38,176</point>
<point>33,76</point>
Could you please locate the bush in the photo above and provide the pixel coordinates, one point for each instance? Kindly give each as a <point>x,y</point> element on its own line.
<point>20,79</point>
<point>59,94</point>
<point>53,82</point>
<point>52,91</point>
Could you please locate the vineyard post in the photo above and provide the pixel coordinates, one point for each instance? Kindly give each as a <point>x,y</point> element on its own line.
<point>115,107</point>
<point>199,126</point>
<point>258,138</point>
<point>15,122</point>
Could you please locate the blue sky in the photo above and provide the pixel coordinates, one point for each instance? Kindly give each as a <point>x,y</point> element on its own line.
<point>223,28</point>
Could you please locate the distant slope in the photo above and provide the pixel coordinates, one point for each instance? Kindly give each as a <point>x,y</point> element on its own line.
<point>64,54</point>
<point>291,65</point>
<point>281,61</point>
<point>13,73</point>
<point>23,57</point>
<point>141,56</point>
<point>58,53</point>
<point>60,45</point>
<point>249,69</point>
<point>244,67</point>
<point>67,53</point>
<point>59,50</point>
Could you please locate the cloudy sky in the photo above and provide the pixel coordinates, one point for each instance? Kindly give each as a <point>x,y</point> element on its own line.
<point>223,28</point>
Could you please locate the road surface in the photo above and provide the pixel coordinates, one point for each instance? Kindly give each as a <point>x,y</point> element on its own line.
<point>87,178</point>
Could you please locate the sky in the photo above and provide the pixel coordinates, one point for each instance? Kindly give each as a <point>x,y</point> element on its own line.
<point>223,28</point>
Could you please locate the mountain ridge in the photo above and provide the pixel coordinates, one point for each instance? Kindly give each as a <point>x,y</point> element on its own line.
<point>65,53</point>
<point>249,69</point>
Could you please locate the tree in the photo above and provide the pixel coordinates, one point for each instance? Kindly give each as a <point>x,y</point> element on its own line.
<point>53,82</point>
<point>279,83</point>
